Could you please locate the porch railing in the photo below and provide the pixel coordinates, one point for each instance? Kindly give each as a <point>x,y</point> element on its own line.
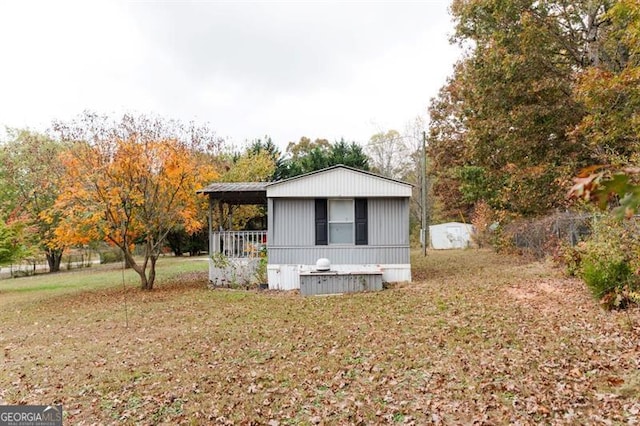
<point>238,244</point>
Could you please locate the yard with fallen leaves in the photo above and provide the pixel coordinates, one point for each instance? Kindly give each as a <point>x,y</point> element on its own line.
<point>477,337</point>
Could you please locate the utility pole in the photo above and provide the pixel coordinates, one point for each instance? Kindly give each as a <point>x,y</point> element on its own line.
<point>423,167</point>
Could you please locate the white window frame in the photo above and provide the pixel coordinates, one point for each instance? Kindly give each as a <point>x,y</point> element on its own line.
<point>352,222</point>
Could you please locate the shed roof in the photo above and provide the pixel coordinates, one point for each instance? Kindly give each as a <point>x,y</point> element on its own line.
<point>450,224</point>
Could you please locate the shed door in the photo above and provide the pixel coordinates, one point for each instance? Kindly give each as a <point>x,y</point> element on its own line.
<point>454,235</point>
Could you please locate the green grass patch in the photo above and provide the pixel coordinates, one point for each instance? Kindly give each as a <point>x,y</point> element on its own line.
<point>100,276</point>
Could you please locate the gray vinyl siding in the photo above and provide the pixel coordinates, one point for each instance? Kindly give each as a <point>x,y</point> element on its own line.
<point>292,236</point>
<point>293,222</point>
<point>388,221</point>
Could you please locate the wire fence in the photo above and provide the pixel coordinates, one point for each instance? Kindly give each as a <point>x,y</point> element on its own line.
<point>39,265</point>
<point>540,237</point>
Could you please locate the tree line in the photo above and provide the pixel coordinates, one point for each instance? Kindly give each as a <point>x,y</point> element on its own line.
<point>544,90</point>
<point>132,182</point>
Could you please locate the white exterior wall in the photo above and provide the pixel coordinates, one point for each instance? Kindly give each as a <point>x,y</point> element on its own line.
<point>451,235</point>
<point>287,277</point>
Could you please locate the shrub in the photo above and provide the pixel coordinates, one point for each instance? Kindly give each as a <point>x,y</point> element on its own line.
<point>261,274</point>
<point>502,241</point>
<point>608,262</point>
<point>481,219</point>
<point>605,276</point>
<point>111,255</point>
<point>571,258</point>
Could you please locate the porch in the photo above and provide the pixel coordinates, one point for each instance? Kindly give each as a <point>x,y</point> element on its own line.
<point>238,244</point>
<point>235,256</point>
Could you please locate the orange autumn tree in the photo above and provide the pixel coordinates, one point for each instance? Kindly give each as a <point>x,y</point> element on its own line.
<point>132,191</point>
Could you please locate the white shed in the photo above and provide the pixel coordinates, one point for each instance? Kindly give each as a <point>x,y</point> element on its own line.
<point>450,235</point>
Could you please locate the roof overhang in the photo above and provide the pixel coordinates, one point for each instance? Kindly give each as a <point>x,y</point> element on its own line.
<point>237,192</point>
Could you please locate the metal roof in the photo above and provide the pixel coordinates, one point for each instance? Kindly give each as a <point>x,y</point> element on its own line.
<point>256,192</point>
<point>234,186</point>
<point>237,192</point>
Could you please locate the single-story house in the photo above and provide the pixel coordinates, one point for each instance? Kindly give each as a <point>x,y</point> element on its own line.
<point>338,229</point>
<point>450,235</point>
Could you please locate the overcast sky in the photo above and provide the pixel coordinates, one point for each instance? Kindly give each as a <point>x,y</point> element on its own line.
<point>249,69</point>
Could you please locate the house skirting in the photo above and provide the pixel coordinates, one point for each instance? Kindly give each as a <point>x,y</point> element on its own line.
<point>287,277</point>
<point>334,282</point>
<point>231,272</point>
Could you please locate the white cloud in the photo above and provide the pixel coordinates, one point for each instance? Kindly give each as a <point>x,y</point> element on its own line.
<point>287,69</point>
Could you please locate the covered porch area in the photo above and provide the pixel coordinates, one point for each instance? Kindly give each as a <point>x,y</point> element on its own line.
<point>238,244</point>
<point>235,254</point>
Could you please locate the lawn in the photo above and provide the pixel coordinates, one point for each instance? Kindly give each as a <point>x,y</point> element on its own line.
<point>41,287</point>
<point>476,338</point>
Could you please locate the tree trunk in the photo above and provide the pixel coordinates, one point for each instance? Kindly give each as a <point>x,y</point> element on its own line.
<point>152,273</point>
<point>145,283</point>
<point>141,270</point>
<point>54,258</point>
<point>127,263</point>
